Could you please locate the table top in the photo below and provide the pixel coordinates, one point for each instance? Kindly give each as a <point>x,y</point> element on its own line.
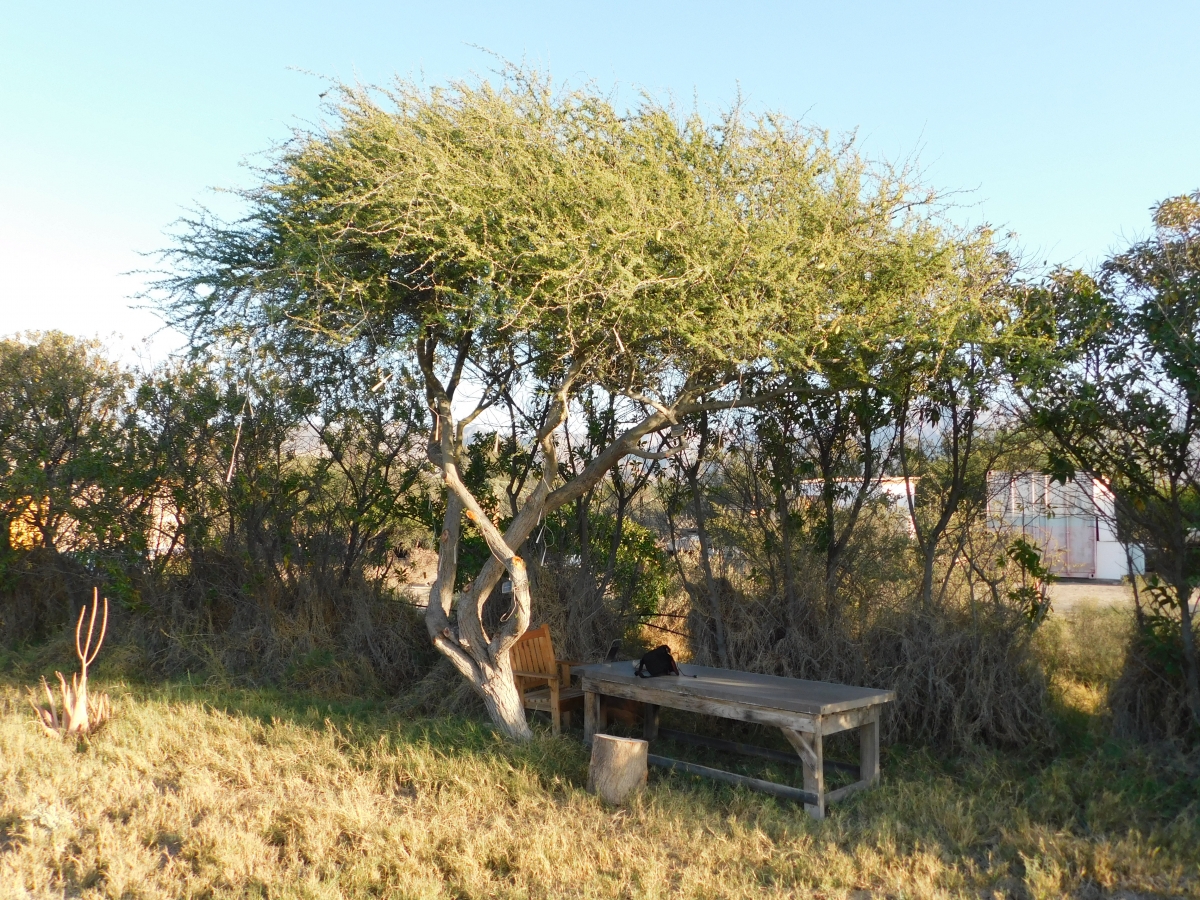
<point>816,698</point>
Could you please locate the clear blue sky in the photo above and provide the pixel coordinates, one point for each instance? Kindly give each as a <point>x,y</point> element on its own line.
<point>1063,121</point>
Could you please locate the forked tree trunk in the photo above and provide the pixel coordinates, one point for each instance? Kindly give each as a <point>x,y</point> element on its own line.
<point>502,699</point>
<point>455,619</point>
<point>485,661</point>
<point>785,540</point>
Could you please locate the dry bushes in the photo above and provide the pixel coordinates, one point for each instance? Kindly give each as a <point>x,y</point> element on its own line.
<point>1148,700</point>
<point>306,636</point>
<point>222,622</point>
<point>965,673</point>
<point>582,624</point>
<point>960,678</point>
<point>40,596</point>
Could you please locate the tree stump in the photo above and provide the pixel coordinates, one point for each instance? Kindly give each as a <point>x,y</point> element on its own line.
<point>618,767</point>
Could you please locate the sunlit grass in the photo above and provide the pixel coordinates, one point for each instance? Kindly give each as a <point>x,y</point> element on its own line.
<point>195,793</point>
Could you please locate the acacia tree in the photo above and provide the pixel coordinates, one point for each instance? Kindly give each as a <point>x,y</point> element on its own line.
<point>1118,394</point>
<point>518,242</point>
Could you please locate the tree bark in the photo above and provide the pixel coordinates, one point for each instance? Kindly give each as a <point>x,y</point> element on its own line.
<point>482,659</point>
<point>785,535</point>
<point>1191,669</point>
<point>692,473</point>
<point>618,767</point>
<point>487,668</point>
<point>502,699</point>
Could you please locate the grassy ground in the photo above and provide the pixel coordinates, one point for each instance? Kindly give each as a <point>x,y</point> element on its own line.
<point>196,792</point>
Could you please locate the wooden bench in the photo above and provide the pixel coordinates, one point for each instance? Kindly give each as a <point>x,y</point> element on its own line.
<point>805,711</point>
<point>534,664</point>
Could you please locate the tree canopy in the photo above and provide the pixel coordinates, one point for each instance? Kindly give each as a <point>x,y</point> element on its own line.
<point>509,247</point>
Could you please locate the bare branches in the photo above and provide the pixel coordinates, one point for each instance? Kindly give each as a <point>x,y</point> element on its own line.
<point>661,455</point>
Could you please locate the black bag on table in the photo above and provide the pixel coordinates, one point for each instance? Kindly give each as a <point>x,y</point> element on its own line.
<point>658,661</point>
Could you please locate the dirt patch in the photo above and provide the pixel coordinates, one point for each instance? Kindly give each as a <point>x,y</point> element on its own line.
<point>1074,596</point>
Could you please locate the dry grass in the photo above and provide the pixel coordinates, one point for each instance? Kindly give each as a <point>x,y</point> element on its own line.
<point>195,793</point>
<point>1086,644</point>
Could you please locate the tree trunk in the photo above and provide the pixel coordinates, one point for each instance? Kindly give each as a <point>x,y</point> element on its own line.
<point>692,473</point>
<point>502,699</point>
<point>789,564</point>
<point>714,596</point>
<point>1191,674</point>
<point>488,669</point>
<point>928,557</point>
<point>483,659</point>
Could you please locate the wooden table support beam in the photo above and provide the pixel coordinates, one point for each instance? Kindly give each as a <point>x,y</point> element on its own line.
<point>650,729</point>
<point>704,740</point>
<point>811,748</point>
<point>868,750</point>
<point>756,784</point>
<point>593,715</point>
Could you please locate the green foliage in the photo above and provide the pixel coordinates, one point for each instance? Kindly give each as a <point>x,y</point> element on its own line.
<point>1159,640</point>
<point>1158,637</point>
<point>649,252</point>
<point>639,566</point>
<point>1116,390</point>
<point>71,468</point>
<point>1033,598</point>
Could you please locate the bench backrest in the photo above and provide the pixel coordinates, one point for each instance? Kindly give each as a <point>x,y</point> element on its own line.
<point>533,652</point>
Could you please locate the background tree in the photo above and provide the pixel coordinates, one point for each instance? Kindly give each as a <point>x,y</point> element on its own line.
<point>956,366</point>
<point>827,448</point>
<point>70,471</point>
<point>610,570</point>
<point>1118,395</point>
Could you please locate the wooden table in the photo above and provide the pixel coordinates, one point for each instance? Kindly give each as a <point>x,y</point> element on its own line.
<point>805,711</point>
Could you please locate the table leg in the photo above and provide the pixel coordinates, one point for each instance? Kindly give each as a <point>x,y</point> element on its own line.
<point>814,776</point>
<point>555,712</point>
<point>812,757</point>
<point>591,714</point>
<point>868,750</point>
<point>650,721</point>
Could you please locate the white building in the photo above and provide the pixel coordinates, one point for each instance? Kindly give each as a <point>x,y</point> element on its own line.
<point>1071,523</point>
